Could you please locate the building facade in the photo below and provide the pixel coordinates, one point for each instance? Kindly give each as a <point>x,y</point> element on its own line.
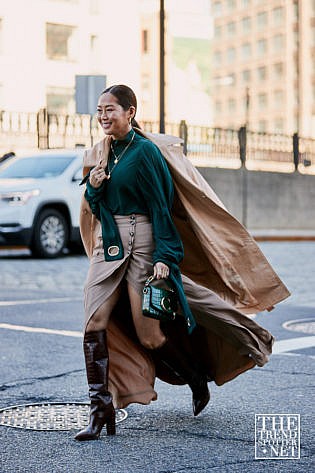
<point>264,65</point>
<point>44,44</point>
<point>187,61</point>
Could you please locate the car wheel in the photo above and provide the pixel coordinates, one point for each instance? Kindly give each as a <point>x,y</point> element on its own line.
<point>50,234</point>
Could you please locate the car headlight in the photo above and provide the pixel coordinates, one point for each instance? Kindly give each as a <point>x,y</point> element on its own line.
<point>18,198</point>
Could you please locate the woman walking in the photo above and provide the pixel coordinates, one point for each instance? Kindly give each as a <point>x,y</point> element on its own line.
<point>133,226</point>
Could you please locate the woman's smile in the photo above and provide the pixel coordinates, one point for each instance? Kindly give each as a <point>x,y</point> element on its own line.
<point>106,125</point>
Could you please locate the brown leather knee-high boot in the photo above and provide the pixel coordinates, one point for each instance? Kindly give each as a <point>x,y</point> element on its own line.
<point>102,410</point>
<point>189,372</point>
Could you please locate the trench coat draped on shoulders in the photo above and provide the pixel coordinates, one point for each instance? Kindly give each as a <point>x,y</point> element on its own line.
<point>220,257</point>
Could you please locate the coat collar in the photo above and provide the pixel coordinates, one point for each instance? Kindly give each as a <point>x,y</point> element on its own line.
<point>100,151</point>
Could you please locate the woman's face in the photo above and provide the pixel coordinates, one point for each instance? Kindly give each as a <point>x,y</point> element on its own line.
<point>112,117</point>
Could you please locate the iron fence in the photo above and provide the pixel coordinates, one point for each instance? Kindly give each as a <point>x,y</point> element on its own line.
<point>204,145</point>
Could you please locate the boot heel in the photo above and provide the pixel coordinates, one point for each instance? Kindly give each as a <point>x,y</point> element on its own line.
<point>111,424</point>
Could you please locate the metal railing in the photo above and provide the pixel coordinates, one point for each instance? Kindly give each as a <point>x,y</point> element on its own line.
<point>204,145</point>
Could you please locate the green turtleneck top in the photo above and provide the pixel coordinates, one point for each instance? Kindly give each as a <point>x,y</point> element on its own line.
<point>140,183</point>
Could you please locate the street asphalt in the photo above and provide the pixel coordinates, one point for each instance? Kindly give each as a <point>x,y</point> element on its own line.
<point>40,364</point>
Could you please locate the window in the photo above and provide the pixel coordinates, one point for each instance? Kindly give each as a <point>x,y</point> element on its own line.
<point>261,47</point>
<point>224,80</point>
<point>245,3</point>
<point>262,100</point>
<point>218,106</point>
<point>262,19</point>
<point>278,16</point>
<point>231,28</point>
<point>246,51</point>
<point>217,31</point>
<point>36,167</point>
<point>231,4</point>
<point>232,79</point>
<point>262,73</point>
<point>278,70</point>
<point>246,75</point>
<point>279,125</point>
<point>246,24</point>
<point>278,42</point>
<point>61,42</point>
<point>217,58</point>
<point>231,54</point>
<point>278,98</point>
<point>94,44</point>
<point>60,100</point>
<point>231,105</point>
<point>94,49</point>
<point>145,41</point>
<point>295,11</point>
<point>217,9</point>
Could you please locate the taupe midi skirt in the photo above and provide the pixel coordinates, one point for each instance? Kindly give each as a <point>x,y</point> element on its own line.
<point>104,277</point>
<point>210,311</point>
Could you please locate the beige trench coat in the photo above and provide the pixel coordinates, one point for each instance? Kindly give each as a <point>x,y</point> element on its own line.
<point>219,255</point>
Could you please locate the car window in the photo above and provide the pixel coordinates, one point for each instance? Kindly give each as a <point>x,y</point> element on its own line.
<point>36,167</point>
<point>78,175</point>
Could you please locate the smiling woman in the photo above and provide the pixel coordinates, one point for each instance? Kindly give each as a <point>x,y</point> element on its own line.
<point>134,223</point>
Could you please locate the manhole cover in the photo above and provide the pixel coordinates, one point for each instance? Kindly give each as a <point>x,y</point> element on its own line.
<point>50,416</point>
<point>301,325</point>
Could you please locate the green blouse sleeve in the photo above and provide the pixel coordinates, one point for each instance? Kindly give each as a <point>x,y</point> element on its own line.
<point>93,195</point>
<point>157,189</point>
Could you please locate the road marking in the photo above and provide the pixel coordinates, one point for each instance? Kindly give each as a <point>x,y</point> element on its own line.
<point>301,325</point>
<point>40,301</point>
<point>292,344</point>
<point>281,346</point>
<point>24,328</point>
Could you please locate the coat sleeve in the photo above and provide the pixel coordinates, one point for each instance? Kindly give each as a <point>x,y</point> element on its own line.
<point>156,186</point>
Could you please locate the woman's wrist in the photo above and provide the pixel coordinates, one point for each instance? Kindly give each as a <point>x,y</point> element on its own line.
<point>91,189</point>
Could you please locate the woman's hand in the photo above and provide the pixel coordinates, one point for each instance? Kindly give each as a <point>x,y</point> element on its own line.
<point>161,271</point>
<point>97,176</point>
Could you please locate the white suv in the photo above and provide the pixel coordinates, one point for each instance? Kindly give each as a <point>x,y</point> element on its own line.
<point>40,201</point>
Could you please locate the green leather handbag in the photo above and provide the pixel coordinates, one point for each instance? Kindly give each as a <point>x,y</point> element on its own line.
<point>159,303</point>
